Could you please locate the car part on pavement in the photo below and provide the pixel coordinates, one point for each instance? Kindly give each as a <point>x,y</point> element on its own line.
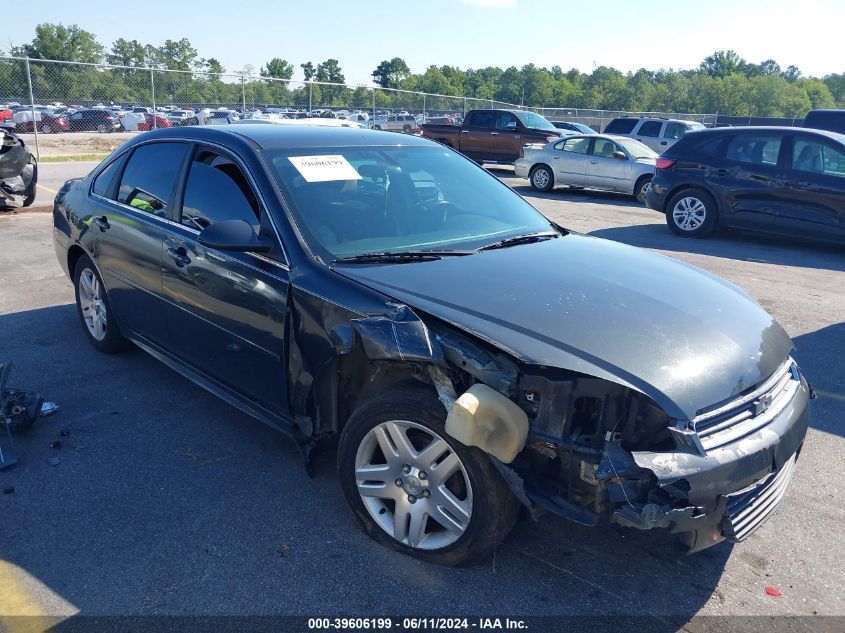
<point>18,167</point>
<point>18,411</point>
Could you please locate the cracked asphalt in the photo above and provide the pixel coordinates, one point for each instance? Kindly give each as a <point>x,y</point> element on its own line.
<point>167,501</point>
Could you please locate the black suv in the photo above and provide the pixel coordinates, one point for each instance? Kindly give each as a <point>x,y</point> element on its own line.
<point>832,120</point>
<point>771,179</point>
<point>94,121</point>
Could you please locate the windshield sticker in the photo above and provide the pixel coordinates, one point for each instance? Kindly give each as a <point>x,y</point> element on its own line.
<point>324,168</point>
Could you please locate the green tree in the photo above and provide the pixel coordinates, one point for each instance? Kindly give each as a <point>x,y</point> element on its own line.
<point>278,69</point>
<point>309,70</point>
<point>64,43</point>
<point>330,72</point>
<point>126,53</point>
<point>722,64</point>
<point>390,74</point>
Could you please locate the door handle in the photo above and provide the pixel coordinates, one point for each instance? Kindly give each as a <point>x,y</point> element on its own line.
<point>464,131</point>
<point>180,256</point>
<point>494,134</point>
<point>663,143</point>
<point>555,157</point>
<point>797,184</point>
<point>721,172</point>
<point>594,162</point>
<point>103,223</point>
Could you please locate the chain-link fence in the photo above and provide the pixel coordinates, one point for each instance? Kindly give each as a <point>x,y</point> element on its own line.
<point>48,97</point>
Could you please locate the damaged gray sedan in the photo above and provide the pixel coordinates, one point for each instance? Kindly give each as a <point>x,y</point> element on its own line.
<point>476,361</point>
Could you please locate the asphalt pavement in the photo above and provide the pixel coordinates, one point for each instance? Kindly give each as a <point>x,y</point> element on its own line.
<point>168,501</point>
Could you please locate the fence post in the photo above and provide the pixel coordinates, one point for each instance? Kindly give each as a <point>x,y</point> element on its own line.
<point>373,122</point>
<point>423,94</point>
<point>243,90</point>
<point>32,105</point>
<point>153,97</point>
<point>465,106</point>
<point>310,95</point>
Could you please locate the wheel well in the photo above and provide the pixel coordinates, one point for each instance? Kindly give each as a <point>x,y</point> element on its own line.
<point>640,179</point>
<point>73,255</point>
<point>537,166</point>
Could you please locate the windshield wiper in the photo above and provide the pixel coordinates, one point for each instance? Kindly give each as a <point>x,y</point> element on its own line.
<point>399,257</point>
<point>528,238</point>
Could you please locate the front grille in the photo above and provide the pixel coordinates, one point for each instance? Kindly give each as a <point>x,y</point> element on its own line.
<point>751,411</point>
<point>748,509</point>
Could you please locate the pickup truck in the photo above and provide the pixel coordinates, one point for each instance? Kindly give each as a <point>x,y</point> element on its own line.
<point>493,136</point>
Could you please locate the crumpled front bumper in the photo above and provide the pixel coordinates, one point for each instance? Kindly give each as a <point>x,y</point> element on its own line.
<point>729,491</point>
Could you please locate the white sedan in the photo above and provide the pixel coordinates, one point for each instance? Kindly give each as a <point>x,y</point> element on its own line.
<point>590,161</point>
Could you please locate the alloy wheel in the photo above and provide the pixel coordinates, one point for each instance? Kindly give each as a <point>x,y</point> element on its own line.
<point>92,304</point>
<point>689,213</point>
<point>414,486</point>
<point>540,178</point>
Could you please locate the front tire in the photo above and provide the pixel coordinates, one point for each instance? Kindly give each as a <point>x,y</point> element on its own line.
<point>541,178</point>
<point>415,489</point>
<point>92,305</point>
<point>691,213</point>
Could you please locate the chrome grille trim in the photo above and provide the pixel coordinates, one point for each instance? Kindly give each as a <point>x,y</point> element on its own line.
<point>750,412</point>
<point>748,509</point>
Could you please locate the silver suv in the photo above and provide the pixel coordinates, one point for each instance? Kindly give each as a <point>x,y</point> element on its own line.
<point>658,134</point>
<point>398,123</point>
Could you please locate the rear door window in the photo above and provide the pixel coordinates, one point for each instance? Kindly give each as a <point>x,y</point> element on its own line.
<point>754,149</point>
<point>650,128</point>
<point>482,120</point>
<point>621,126</point>
<point>150,175</point>
<point>103,181</point>
<point>576,145</point>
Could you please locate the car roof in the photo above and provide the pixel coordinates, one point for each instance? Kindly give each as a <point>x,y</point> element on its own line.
<point>291,136</point>
<point>750,129</point>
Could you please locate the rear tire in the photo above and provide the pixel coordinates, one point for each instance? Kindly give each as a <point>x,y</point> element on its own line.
<point>643,183</point>
<point>480,509</point>
<point>692,213</point>
<point>541,178</point>
<point>95,312</point>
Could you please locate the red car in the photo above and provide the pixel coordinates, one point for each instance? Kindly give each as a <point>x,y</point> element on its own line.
<point>147,125</point>
<point>5,113</point>
<point>47,124</point>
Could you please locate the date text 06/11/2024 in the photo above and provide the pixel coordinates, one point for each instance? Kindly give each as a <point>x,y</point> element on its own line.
<point>417,624</point>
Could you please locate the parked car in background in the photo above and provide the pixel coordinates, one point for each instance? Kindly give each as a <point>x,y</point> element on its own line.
<point>183,117</point>
<point>96,120</point>
<point>495,136</point>
<point>47,121</point>
<point>5,113</point>
<point>160,122</point>
<point>572,126</point>
<point>397,123</point>
<point>595,161</point>
<point>658,134</point>
<point>831,120</point>
<point>783,180</point>
<point>221,117</point>
<point>467,354</point>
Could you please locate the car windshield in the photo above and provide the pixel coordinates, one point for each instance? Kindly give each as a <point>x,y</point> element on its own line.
<point>637,149</point>
<point>535,121</point>
<point>586,129</point>
<point>350,201</point>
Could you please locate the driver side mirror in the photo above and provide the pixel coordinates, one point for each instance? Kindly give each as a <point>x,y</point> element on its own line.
<point>620,155</point>
<point>233,235</point>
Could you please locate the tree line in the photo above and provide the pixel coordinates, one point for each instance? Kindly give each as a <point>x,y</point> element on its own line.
<point>723,82</point>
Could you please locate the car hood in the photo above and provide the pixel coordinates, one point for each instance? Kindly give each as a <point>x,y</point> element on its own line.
<point>682,336</point>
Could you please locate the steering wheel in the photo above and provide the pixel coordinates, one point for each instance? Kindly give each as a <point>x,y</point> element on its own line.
<point>433,215</point>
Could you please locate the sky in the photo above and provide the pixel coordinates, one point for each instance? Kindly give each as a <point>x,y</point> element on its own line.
<point>467,33</point>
